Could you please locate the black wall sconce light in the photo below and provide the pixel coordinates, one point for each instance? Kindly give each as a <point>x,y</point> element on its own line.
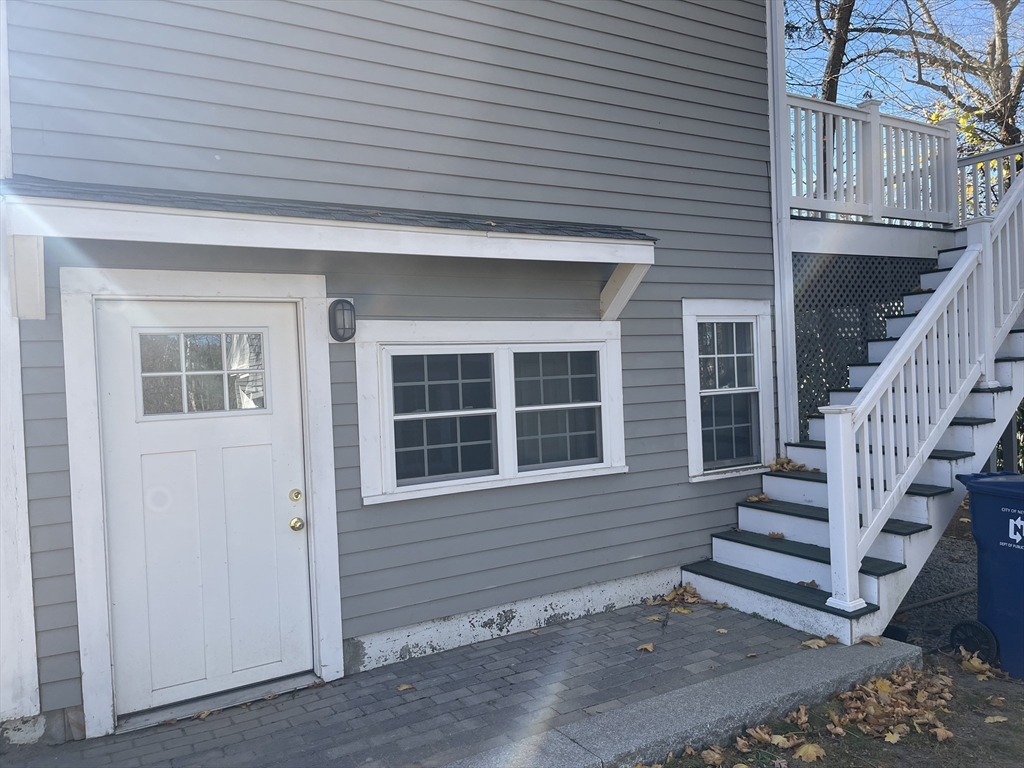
<point>342,320</point>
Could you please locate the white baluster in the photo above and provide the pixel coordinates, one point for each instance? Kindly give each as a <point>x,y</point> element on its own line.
<point>979,232</point>
<point>871,163</point>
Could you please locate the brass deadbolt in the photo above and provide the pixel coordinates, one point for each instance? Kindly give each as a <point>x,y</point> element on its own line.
<point>297,524</point>
<point>295,495</point>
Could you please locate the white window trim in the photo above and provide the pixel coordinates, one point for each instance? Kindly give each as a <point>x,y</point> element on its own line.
<point>374,340</point>
<point>80,287</point>
<point>728,310</point>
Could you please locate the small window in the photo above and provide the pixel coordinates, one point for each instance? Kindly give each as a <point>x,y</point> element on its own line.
<point>728,375</point>
<point>459,407</point>
<point>201,372</point>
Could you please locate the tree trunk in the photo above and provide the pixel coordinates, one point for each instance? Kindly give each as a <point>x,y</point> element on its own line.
<point>837,51</point>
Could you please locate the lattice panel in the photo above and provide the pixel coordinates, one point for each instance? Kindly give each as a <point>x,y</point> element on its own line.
<point>840,303</point>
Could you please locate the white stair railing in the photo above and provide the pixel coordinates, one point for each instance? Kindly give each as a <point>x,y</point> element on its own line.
<point>984,178</point>
<point>877,444</point>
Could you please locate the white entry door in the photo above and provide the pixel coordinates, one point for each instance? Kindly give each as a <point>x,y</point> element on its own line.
<point>204,484</point>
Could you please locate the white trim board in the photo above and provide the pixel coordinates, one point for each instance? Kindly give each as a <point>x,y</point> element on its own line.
<point>19,679</point>
<point>6,152</point>
<point>861,239</point>
<point>47,217</point>
<point>79,288</point>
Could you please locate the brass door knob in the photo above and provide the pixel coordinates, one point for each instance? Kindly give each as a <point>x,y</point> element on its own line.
<point>297,524</point>
<point>295,495</point>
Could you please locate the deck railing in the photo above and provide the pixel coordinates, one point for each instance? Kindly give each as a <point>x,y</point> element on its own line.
<point>985,178</point>
<point>877,444</point>
<point>855,161</point>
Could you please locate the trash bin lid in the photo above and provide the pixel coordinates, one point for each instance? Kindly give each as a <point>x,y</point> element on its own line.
<point>1008,484</point>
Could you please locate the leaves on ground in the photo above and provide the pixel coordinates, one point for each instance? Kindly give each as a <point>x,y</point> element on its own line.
<point>680,609</point>
<point>995,719</point>
<point>649,647</point>
<point>996,701</point>
<point>784,464</point>
<point>776,535</point>
<point>874,640</point>
<point>713,756</point>
<point>405,687</point>
<point>942,734</point>
<point>722,631</point>
<point>971,662</point>
<point>760,734</point>
<point>655,618</point>
<point>812,584</point>
<point>742,745</point>
<point>831,639</point>
<point>798,717</point>
<point>719,605</point>
<point>751,655</point>
<point>814,642</point>
<point>762,497</point>
<point>809,753</point>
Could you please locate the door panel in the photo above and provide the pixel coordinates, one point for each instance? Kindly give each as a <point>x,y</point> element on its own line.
<point>200,407</point>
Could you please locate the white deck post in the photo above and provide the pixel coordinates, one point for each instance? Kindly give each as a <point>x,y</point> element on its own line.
<point>843,512</point>
<point>870,168</point>
<point>979,232</point>
<point>951,171</point>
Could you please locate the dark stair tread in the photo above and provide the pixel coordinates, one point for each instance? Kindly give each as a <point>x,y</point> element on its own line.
<point>807,512</point>
<point>950,250</point>
<point>938,454</point>
<point>915,489</point>
<point>970,421</point>
<point>918,293</point>
<point>1011,359</point>
<point>974,391</point>
<point>808,597</point>
<point>936,271</point>
<point>869,566</point>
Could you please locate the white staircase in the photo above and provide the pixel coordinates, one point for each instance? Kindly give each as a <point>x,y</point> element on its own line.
<point>931,403</point>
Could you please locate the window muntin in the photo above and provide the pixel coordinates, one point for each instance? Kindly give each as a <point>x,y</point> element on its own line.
<point>547,436</point>
<point>446,444</point>
<point>729,422</point>
<point>192,373</point>
<point>727,351</point>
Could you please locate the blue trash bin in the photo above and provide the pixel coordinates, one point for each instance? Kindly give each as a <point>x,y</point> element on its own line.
<point>997,522</point>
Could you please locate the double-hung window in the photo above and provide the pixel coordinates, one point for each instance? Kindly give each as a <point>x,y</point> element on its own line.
<point>730,421</point>
<point>446,407</point>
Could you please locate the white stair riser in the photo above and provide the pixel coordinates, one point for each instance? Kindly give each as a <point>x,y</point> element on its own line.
<point>786,567</point>
<point>895,326</point>
<point>912,302</point>
<point>859,374</point>
<point>933,280</point>
<point>812,457</point>
<point>887,546</point>
<point>1013,346</point>
<point>816,429</point>
<point>795,490</point>
<point>957,439</point>
<point>842,397</point>
<point>877,350</point>
<point>978,404</point>
<point>949,259</point>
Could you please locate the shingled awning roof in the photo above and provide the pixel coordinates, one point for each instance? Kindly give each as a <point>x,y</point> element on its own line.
<point>29,186</point>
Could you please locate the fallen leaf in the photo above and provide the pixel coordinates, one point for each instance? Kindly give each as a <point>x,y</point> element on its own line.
<point>814,642</point>
<point>172,721</point>
<point>883,685</point>
<point>812,584</point>
<point>784,742</point>
<point>751,655</point>
<point>654,618</point>
<point>719,605</point>
<point>995,719</point>
<point>831,639</point>
<point>680,609</point>
<point>776,535</point>
<point>874,640</point>
<point>689,751</point>
<point>996,701</point>
<point>534,631</point>
<point>836,730</point>
<point>405,687</point>
<point>780,763</point>
<point>742,745</point>
<point>760,734</point>
<point>965,519</point>
<point>752,498</point>
<point>741,765</point>
<point>649,647</point>
<point>808,753</point>
<point>271,696</point>
<point>942,734</point>
<point>892,738</point>
<point>203,715</point>
<point>318,684</point>
<point>973,663</point>
<point>711,757</point>
<point>798,717</point>
<point>722,631</point>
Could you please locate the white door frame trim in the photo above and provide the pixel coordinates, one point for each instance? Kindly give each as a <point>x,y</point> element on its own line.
<point>79,289</point>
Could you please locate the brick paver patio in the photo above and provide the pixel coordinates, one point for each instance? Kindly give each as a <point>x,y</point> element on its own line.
<point>464,701</point>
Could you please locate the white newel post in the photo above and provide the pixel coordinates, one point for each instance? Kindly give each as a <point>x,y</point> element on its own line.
<point>979,232</point>
<point>870,169</point>
<point>950,171</point>
<point>843,511</point>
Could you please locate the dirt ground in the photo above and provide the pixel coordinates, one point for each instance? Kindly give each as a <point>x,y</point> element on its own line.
<point>974,743</point>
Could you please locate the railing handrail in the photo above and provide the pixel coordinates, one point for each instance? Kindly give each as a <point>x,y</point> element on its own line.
<point>880,382</point>
<point>993,154</point>
<point>825,106</point>
<point>932,128</point>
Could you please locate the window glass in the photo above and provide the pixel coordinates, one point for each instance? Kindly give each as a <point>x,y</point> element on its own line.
<point>222,371</point>
<point>442,447</point>
<point>726,355</point>
<point>729,430</point>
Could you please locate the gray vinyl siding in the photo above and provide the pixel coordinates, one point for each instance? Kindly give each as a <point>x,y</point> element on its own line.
<point>649,114</point>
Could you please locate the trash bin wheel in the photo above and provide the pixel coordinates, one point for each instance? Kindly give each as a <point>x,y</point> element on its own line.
<point>975,637</point>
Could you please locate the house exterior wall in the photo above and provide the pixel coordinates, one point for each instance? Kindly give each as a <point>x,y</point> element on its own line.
<point>649,115</point>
